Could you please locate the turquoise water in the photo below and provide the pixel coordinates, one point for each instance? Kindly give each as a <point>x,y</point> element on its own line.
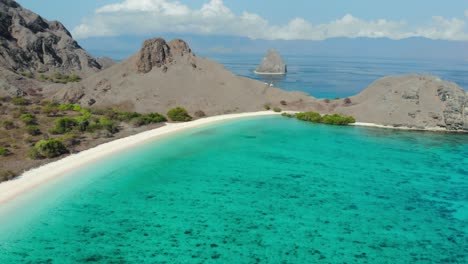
<point>261,190</point>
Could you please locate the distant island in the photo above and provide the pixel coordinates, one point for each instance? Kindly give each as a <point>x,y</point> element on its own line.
<point>56,98</point>
<point>272,64</point>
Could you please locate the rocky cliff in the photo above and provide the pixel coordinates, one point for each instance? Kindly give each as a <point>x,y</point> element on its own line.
<point>31,44</point>
<point>272,63</point>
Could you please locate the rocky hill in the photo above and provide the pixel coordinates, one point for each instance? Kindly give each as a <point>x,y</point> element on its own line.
<point>418,101</point>
<point>164,74</point>
<point>30,44</point>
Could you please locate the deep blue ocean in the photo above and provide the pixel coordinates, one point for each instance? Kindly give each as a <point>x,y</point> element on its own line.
<point>330,77</point>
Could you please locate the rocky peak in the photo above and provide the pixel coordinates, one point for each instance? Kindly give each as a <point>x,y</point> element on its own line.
<point>30,43</point>
<point>272,63</point>
<point>156,53</point>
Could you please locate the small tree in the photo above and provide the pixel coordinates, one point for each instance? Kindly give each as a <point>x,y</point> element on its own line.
<point>179,114</point>
<point>51,148</point>
<point>64,125</point>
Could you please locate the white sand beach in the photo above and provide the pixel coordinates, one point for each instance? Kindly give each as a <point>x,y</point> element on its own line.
<point>34,177</point>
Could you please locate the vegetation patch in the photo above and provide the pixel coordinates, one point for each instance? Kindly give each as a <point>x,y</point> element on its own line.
<point>58,77</point>
<point>28,119</point>
<point>277,109</point>
<point>50,148</point>
<point>179,114</point>
<point>335,119</point>
<point>4,151</point>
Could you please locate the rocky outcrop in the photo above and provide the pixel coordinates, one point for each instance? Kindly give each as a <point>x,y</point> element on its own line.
<point>272,63</point>
<point>29,43</point>
<point>156,53</point>
<point>417,101</point>
<point>105,62</point>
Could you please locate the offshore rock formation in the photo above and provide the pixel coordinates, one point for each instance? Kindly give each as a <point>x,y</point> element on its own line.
<point>272,63</point>
<point>417,101</point>
<point>29,43</point>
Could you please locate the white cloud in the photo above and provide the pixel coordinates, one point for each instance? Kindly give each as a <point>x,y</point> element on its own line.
<point>163,16</point>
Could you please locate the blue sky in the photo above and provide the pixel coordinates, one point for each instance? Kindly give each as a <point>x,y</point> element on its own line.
<point>264,19</point>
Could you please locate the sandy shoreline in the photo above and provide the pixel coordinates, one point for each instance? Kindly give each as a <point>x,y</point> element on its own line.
<point>34,177</point>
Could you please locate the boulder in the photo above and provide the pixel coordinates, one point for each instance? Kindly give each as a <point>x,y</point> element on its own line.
<point>272,63</point>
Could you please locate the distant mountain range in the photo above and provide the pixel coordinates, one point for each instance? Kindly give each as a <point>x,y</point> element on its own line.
<point>123,46</point>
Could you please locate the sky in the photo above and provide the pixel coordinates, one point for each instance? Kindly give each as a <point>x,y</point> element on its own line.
<point>261,19</point>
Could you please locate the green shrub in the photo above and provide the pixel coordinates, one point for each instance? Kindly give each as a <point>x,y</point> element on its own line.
<point>73,78</point>
<point>8,124</point>
<point>309,116</point>
<point>33,130</point>
<point>28,119</point>
<point>70,107</point>
<point>20,101</point>
<point>4,151</point>
<point>50,148</point>
<point>64,125</point>
<point>110,125</point>
<point>51,108</point>
<point>152,118</point>
<point>127,116</point>
<point>179,114</point>
<point>338,120</point>
<point>334,119</point>
<point>58,77</point>
<point>277,109</point>
<point>288,115</point>
<point>267,106</point>
<point>6,175</point>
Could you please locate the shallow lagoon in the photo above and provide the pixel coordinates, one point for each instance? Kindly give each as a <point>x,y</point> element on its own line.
<point>259,190</point>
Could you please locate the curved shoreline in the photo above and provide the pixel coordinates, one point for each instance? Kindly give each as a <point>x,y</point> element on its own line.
<point>38,176</point>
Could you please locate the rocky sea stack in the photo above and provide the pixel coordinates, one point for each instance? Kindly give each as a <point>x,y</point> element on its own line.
<point>272,63</point>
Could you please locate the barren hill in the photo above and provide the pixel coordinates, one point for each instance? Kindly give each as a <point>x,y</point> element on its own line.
<point>163,75</point>
<point>419,101</point>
